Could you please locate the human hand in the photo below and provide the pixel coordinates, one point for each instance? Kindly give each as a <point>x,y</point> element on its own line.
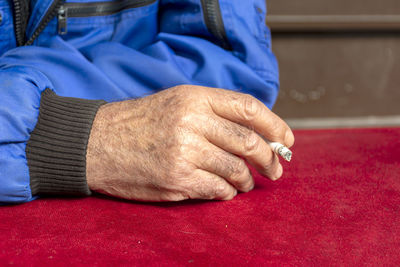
<point>186,142</point>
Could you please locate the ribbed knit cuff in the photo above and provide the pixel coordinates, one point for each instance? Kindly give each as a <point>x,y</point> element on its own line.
<point>56,150</point>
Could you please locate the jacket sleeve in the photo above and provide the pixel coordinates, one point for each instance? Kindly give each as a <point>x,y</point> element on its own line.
<point>43,137</point>
<point>244,34</point>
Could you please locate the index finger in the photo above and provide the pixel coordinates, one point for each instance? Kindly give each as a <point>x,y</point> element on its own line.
<point>252,113</point>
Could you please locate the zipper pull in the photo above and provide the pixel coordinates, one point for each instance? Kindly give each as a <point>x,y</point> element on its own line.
<point>62,20</point>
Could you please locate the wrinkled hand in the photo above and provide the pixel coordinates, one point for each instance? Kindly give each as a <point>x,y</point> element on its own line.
<point>182,143</point>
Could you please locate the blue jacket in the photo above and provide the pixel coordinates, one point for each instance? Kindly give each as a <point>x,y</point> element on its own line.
<point>115,50</point>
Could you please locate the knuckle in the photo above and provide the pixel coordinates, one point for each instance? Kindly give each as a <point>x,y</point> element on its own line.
<point>246,185</point>
<point>183,88</point>
<point>269,164</point>
<point>239,169</point>
<point>252,143</point>
<point>250,107</point>
<point>249,186</point>
<point>184,118</point>
<point>214,127</point>
<point>222,191</point>
<point>269,160</point>
<point>240,174</point>
<point>181,96</point>
<point>188,90</point>
<point>202,190</point>
<point>231,195</point>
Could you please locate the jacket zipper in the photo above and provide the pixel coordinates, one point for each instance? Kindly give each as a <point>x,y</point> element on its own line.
<point>21,15</point>
<point>214,23</point>
<point>211,11</point>
<point>17,22</point>
<point>91,9</point>
<point>50,14</point>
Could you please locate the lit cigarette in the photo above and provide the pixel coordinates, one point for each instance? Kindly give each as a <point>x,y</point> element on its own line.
<point>281,150</point>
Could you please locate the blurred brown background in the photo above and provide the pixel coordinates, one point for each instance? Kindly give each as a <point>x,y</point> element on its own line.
<point>339,61</point>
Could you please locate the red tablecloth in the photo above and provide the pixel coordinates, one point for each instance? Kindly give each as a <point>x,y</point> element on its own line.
<point>337,204</point>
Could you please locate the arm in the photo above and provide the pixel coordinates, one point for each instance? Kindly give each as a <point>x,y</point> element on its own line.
<point>41,146</point>
<point>20,96</point>
<point>36,154</point>
<point>184,142</point>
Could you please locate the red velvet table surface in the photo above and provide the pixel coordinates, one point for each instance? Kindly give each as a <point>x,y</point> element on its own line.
<point>338,203</point>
